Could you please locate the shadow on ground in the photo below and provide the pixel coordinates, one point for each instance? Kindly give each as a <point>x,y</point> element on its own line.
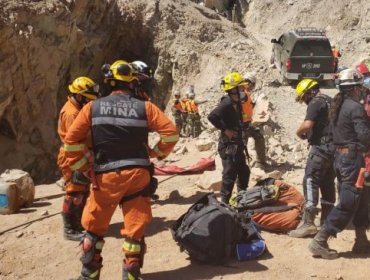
<point>157,225</point>
<point>198,271</point>
<point>175,198</point>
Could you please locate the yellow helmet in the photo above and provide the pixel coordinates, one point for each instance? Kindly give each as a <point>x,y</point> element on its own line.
<point>121,70</point>
<point>303,86</point>
<point>232,80</point>
<point>84,86</point>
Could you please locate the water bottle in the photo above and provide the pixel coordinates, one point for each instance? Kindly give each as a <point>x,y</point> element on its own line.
<point>8,198</point>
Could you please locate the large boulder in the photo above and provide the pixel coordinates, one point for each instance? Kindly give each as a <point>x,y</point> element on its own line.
<point>16,190</point>
<point>211,180</point>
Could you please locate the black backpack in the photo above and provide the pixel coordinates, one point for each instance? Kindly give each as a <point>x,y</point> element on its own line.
<point>209,231</point>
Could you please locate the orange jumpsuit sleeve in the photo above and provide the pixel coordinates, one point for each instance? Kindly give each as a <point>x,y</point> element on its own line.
<point>74,142</point>
<point>158,122</point>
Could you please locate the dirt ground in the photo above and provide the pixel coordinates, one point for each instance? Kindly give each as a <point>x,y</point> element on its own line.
<point>38,251</point>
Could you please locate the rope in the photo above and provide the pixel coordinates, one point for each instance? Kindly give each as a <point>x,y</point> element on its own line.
<point>57,213</point>
<point>30,222</point>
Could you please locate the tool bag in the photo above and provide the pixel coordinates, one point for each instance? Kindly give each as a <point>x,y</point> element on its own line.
<point>274,205</point>
<point>262,194</point>
<point>209,231</point>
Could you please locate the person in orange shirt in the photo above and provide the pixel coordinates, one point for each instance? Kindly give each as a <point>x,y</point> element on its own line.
<point>177,111</point>
<point>193,121</point>
<point>82,90</point>
<point>122,173</point>
<point>336,54</point>
<point>184,101</point>
<point>248,129</point>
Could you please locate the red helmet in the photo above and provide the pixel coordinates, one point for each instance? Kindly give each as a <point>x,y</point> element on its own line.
<point>362,68</point>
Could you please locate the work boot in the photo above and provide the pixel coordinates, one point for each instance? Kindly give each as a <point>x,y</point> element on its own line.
<point>131,272</point>
<point>362,244</point>
<point>307,228</point>
<point>83,278</point>
<point>325,211</point>
<point>69,232</point>
<point>92,275</point>
<point>319,246</point>
<point>261,165</point>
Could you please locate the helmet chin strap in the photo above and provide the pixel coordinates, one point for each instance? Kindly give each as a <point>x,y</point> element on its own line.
<point>81,100</point>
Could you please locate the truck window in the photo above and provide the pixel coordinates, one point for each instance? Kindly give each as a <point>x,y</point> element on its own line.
<point>312,47</point>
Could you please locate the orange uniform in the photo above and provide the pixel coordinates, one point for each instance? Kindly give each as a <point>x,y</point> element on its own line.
<point>67,115</point>
<point>192,106</point>
<point>177,106</point>
<point>247,109</point>
<point>120,177</point>
<point>183,102</point>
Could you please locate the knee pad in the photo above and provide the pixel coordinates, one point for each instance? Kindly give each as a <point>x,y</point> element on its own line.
<point>92,246</point>
<point>73,201</point>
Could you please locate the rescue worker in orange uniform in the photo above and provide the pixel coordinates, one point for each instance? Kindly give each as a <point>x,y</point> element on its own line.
<point>122,173</point>
<point>248,129</point>
<point>184,100</point>
<point>193,121</point>
<point>83,89</point>
<point>336,54</point>
<point>177,111</point>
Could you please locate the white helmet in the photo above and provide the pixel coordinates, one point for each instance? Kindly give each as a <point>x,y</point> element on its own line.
<point>250,77</point>
<point>176,93</point>
<point>191,94</point>
<point>190,89</point>
<point>350,77</point>
<point>142,69</point>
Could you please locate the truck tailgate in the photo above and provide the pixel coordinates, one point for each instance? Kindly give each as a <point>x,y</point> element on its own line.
<point>312,65</point>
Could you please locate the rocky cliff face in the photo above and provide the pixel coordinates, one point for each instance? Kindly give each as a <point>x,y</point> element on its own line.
<point>44,46</point>
<point>47,44</point>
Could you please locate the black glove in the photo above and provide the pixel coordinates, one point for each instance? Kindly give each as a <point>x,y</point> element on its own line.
<point>153,184</point>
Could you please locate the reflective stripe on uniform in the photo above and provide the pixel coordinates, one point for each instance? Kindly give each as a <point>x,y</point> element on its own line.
<point>99,245</point>
<point>131,247</point>
<point>170,138</point>
<point>310,199</point>
<point>121,163</point>
<point>119,121</point>
<point>77,165</point>
<point>158,151</point>
<point>94,274</point>
<point>246,117</point>
<point>74,147</point>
